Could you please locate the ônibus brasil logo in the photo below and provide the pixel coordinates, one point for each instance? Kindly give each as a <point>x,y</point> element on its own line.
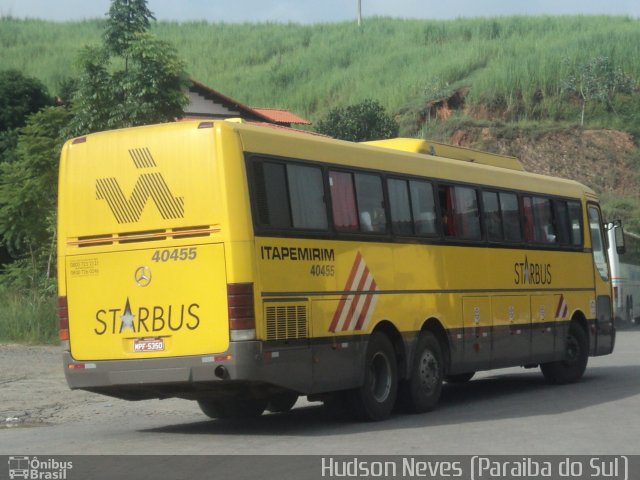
<point>34,468</point>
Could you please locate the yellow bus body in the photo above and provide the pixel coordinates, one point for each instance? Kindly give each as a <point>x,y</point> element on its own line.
<point>155,225</point>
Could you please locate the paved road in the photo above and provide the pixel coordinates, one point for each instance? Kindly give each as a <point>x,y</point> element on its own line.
<point>511,411</point>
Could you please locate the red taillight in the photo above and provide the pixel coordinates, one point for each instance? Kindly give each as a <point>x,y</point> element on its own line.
<point>63,319</point>
<point>242,318</point>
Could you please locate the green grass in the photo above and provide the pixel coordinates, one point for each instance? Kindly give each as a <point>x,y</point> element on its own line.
<point>27,317</point>
<point>516,63</point>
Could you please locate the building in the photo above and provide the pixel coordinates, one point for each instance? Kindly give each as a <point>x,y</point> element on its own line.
<point>205,102</point>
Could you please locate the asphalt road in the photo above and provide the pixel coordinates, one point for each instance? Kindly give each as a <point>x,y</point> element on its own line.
<point>511,411</point>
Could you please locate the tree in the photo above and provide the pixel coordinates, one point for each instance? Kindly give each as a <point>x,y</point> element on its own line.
<point>20,96</point>
<point>597,80</point>
<point>149,89</point>
<point>28,194</point>
<point>126,19</point>
<point>363,121</point>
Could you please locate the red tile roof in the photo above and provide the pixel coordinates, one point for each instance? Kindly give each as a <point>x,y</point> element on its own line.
<point>281,116</point>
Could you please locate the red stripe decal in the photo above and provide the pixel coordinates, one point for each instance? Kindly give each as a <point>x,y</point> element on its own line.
<point>352,274</point>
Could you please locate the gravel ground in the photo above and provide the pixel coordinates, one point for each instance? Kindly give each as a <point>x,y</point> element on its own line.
<point>33,392</point>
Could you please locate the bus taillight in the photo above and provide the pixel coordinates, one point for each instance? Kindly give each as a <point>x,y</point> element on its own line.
<point>242,318</point>
<point>63,317</point>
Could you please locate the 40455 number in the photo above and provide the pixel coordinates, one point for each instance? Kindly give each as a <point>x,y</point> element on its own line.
<point>322,270</point>
<point>175,254</point>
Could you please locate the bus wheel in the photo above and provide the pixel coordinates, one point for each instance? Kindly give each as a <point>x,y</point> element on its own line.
<point>375,399</point>
<point>421,391</point>
<point>282,402</point>
<point>574,364</point>
<point>238,407</point>
<point>460,377</point>
<point>211,408</point>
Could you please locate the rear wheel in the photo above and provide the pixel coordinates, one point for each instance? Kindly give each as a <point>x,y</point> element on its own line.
<point>375,399</point>
<point>237,407</point>
<point>421,391</point>
<point>572,367</point>
<point>460,377</point>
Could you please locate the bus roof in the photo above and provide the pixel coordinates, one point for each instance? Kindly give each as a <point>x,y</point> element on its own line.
<point>437,149</point>
<point>408,156</point>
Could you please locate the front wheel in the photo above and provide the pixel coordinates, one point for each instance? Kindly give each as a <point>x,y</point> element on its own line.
<point>572,367</point>
<point>375,399</point>
<point>421,391</point>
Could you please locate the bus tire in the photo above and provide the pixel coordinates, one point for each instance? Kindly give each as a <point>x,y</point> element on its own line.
<point>238,407</point>
<point>572,367</point>
<point>282,402</point>
<point>375,399</point>
<point>211,408</point>
<point>460,377</point>
<point>421,391</point>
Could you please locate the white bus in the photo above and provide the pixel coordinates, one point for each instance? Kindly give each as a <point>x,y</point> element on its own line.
<point>625,281</point>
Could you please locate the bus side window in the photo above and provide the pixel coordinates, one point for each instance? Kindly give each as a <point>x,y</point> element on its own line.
<point>543,231</point>
<point>423,206</point>
<point>271,195</point>
<point>510,217</point>
<point>562,221</point>
<point>343,200</point>
<point>492,218</point>
<point>527,215</point>
<point>307,197</point>
<point>467,213</point>
<point>373,217</point>
<point>575,214</point>
<point>401,222</point>
<point>445,195</point>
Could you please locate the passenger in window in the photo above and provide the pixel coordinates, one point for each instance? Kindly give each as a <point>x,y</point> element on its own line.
<point>366,224</point>
<point>549,234</point>
<point>379,220</point>
<point>447,223</point>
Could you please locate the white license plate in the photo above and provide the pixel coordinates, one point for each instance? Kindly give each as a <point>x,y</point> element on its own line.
<point>148,344</point>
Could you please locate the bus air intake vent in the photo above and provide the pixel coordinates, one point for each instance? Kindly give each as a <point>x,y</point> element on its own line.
<point>285,322</point>
<point>144,236</point>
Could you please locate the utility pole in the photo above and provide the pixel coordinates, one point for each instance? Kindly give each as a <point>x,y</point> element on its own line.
<point>359,13</point>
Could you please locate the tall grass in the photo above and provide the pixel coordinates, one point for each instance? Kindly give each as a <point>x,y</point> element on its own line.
<point>27,317</point>
<point>512,61</point>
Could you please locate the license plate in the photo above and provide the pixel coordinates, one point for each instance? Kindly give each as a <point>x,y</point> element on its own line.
<point>148,344</point>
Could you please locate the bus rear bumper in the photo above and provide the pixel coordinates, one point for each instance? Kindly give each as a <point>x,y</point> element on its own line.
<point>243,364</point>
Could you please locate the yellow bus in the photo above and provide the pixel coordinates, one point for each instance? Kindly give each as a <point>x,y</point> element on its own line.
<point>244,266</point>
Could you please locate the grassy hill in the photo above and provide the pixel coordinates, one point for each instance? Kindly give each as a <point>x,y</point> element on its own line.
<point>515,64</point>
<point>499,81</point>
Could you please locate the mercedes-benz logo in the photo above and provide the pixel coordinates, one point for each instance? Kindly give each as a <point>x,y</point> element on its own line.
<point>142,276</point>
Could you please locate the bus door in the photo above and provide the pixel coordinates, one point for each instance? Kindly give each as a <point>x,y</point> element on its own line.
<point>604,330</point>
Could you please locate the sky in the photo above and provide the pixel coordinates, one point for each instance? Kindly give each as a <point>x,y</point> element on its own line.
<point>314,11</point>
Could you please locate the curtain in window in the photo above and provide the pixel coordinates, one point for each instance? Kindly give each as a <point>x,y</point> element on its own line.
<point>345,217</point>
